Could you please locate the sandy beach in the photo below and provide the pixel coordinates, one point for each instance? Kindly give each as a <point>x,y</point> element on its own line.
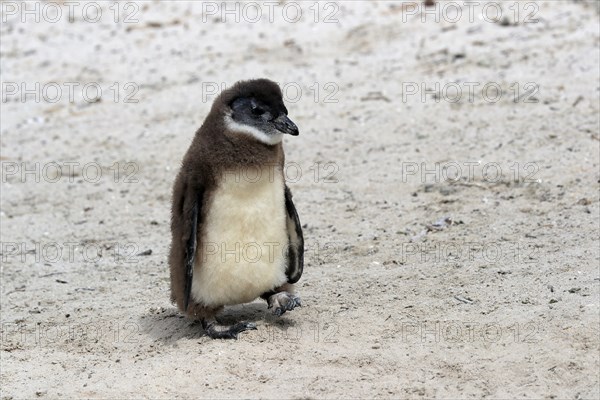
<point>446,175</point>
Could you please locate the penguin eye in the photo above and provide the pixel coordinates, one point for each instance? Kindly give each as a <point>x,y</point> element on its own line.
<point>257,110</point>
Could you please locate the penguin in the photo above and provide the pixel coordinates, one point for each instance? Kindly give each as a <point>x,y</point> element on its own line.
<point>236,235</point>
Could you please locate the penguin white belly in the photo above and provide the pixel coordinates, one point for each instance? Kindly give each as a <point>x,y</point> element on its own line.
<point>244,239</point>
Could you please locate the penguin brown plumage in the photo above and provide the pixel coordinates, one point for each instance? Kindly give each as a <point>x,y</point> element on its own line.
<point>236,235</point>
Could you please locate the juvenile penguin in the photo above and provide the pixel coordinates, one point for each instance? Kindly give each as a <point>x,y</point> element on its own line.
<point>236,235</point>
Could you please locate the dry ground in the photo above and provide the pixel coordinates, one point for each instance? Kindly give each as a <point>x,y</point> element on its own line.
<point>499,300</point>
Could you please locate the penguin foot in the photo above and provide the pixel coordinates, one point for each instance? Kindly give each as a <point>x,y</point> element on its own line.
<point>282,302</point>
<point>215,331</point>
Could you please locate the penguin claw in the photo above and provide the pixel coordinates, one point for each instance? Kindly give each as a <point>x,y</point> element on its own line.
<point>228,333</point>
<point>244,326</point>
<point>282,302</point>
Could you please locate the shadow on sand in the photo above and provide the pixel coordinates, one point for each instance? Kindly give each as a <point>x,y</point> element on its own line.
<point>168,325</point>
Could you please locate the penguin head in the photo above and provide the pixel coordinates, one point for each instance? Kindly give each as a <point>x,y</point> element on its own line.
<point>256,108</point>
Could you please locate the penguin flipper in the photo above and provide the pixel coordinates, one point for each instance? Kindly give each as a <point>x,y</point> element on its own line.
<point>295,261</point>
<point>190,255</point>
<point>186,215</point>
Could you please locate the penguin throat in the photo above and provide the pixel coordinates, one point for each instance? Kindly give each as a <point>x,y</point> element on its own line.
<point>252,131</point>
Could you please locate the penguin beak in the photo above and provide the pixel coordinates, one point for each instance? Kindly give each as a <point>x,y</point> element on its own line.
<point>285,125</point>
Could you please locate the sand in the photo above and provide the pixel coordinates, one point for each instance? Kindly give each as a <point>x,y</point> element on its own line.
<point>452,241</point>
